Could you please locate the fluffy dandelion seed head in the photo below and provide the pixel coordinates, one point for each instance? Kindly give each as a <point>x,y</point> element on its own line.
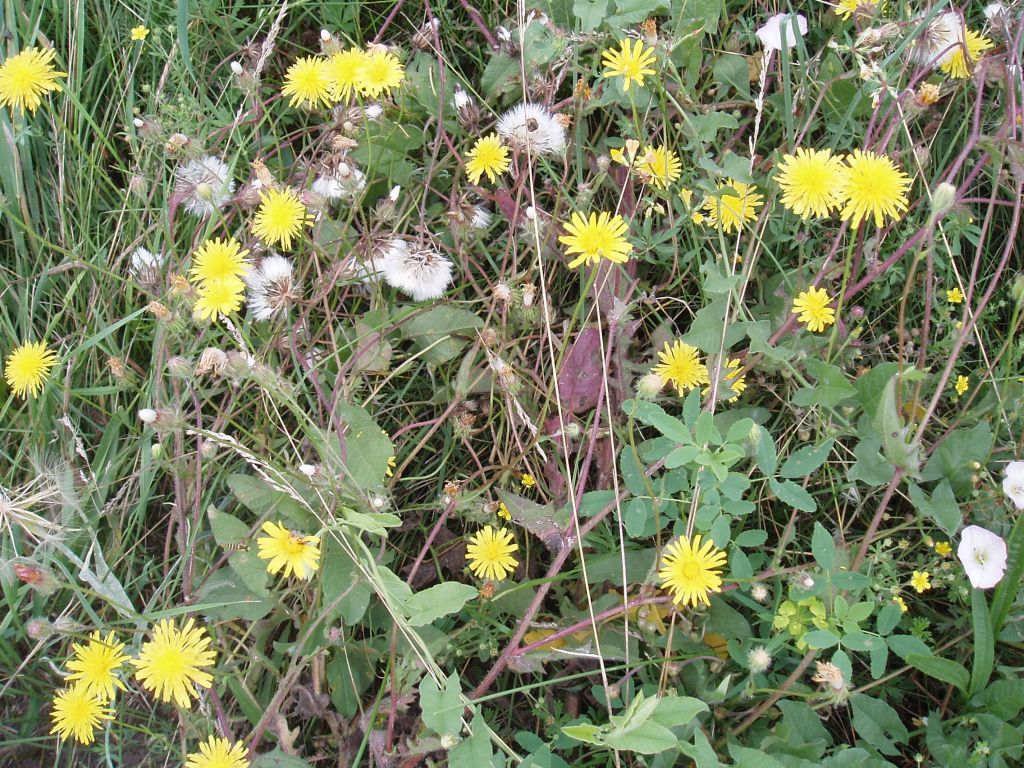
<point>730,210</point>
<point>94,665</point>
<point>873,187</point>
<point>809,180</point>
<point>291,552</point>
<point>679,364</point>
<point>145,265</point>
<point>26,77</point>
<point>812,309</point>
<point>216,752</point>
<point>174,661</point>
<point>601,236</point>
<point>218,259</point>
<point>760,593</point>
<point>280,217</point>
<point>532,128</point>
<point>691,571</point>
<point>481,218</point>
<point>380,73</point>
<point>959,66</point>
<point>660,166</point>
<point>939,41</point>
<point>203,184</point>
<point>27,368</point>
<point>219,297</point>
<point>344,69</point>
<point>649,386</point>
<point>632,61</point>
<point>78,713</point>
<point>343,181</point>
<point>487,157</point>
<point>308,81</point>
<point>272,288</point>
<point>490,553</point>
<point>759,660</point>
<point>422,273</point>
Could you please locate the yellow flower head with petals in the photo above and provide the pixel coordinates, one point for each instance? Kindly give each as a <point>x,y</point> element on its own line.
<point>308,81</point>
<point>872,187</point>
<point>962,384</point>
<point>919,580</point>
<point>345,69</point>
<point>217,259</point>
<point>216,752</point>
<point>691,572</point>
<point>490,553</point>
<point>289,551</point>
<point>95,665</point>
<point>732,211</point>
<point>808,180</point>
<point>602,236</point>
<point>78,713</point>
<point>26,77</point>
<point>488,156</point>
<point>174,661</point>
<point>219,297</point>
<point>280,217</point>
<point>812,309</point>
<point>680,365</point>
<point>955,296</point>
<point>140,33</point>
<point>957,65</point>
<point>660,165</point>
<point>380,74</point>
<point>631,62</point>
<point>28,366</point>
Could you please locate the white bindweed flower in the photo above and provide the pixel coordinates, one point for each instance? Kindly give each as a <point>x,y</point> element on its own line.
<point>781,25</point>
<point>940,40</point>
<point>272,288</point>
<point>203,184</point>
<point>422,273</point>
<point>1013,483</point>
<point>983,555</point>
<point>531,127</point>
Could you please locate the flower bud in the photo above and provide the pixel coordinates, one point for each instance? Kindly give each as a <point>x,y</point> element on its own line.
<point>237,69</point>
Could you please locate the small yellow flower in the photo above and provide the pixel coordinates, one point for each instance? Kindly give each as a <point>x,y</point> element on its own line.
<point>503,512</point>
<point>345,70</point>
<point>955,296</point>
<point>602,236</point>
<point>217,259</point>
<point>173,662</point>
<point>732,211</point>
<point>381,72</point>
<point>812,309</point>
<point>660,165</point>
<point>488,156</point>
<point>943,548</point>
<point>679,364</point>
<point>691,572</point>
<point>219,297</point>
<point>280,217</point>
<point>26,77</point>
<point>901,603</point>
<point>490,553</point>
<point>27,368</point>
<point>140,33</point>
<point>216,752</point>
<point>957,65</point>
<point>292,552</point>
<point>95,666</point>
<point>527,480</point>
<point>631,63</point>
<point>732,380</point>
<point>846,8</point>
<point>78,713</point>
<point>962,384</point>
<point>919,580</point>
<point>308,81</point>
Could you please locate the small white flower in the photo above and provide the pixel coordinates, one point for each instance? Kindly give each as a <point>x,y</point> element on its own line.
<point>393,194</point>
<point>204,185</point>
<point>780,24</point>
<point>481,218</point>
<point>308,469</point>
<point>1013,483</point>
<point>941,39</point>
<point>422,273</point>
<point>533,128</point>
<point>272,288</point>
<point>983,555</point>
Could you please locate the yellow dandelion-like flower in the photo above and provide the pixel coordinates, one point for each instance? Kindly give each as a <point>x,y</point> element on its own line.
<point>217,259</point>
<point>95,665</point>
<point>959,66</point>
<point>872,186</point>
<point>812,309</point>
<point>345,71</point>
<point>630,62</point>
<point>488,156</point>
<point>690,572</point>
<point>732,380</point>
<point>28,366</point>
<point>490,553</point>
<point>527,480</point>
<point>292,552</point>
<point>732,211</point>
<point>660,165</point>
<point>78,713</point>
<point>308,81</point>
<point>919,580</point>
<point>943,548</point>
<point>219,297</point>
<point>901,603</point>
<point>280,217</point>
<point>26,77</point>
<point>962,385</point>
<point>955,296</point>
<point>381,72</point>
<point>680,365</point>
<point>846,8</point>
<point>808,180</point>
<point>216,752</point>
<point>173,662</point>
<point>602,236</point>
<point>140,33</point>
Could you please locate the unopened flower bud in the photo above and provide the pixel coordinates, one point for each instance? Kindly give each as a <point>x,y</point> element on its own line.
<point>147,416</point>
<point>1017,289</point>
<point>237,69</point>
<point>649,386</point>
<point>179,367</point>
<point>39,629</point>
<point>943,199</point>
<point>212,361</point>
<point>37,577</point>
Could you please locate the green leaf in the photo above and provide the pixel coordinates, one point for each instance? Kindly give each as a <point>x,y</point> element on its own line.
<point>708,326</point>
<point>905,646</point>
<point>889,428</point>
<point>941,507</point>
<point>345,592</point>
<point>745,757</point>
<point>677,710</point>
<point>792,494</point>
<point>732,70</point>
<point>878,724</point>
<point>474,752</point>
<point>954,456</point>
<point>590,13</point>
<point>831,386</point>
<point>946,670</point>
<point>764,450</point>
<point>655,415</point>
<point>871,386</point>
<point>820,638</point>
<point>871,468</point>
<point>437,601</point>
<point>647,738</point>
<point>228,530</point>
<point>984,643</point>
<point>585,732</point>
<point>442,709</point>
<point>349,674</point>
<point>231,598</point>
<point>803,461</point>
<point>542,520</point>
<point>888,618</point>
<point>260,498</point>
<point>367,449</point>
<point>1006,589</point>
<point>440,333</point>
<point>250,569</point>
<point>823,547</point>
<point>278,759</point>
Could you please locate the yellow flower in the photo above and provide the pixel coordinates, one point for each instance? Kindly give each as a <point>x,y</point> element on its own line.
<point>812,309</point>
<point>218,259</point>
<point>928,94</point>
<point>527,480</point>
<point>680,365</point>
<point>872,186</point>
<point>220,297</point>
<point>690,572</point>
<point>957,65</point>
<point>28,366</point>
<point>293,552</point>
<point>962,384</point>
<point>308,81</point>
<point>488,156</point>
<point>380,73</point>
<point>808,181</point>
<point>660,165</point>
<point>26,76</point>
<point>94,666</point>
<point>503,512</point>
<point>846,8</point>
<point>140,33</point>
<point>78,713</point>
<point>172,662</point>
<point>280,217</point>
<point>490,553</point>
<point>631,63</point>
<point>732,211</point>
<point>901,603</point>
<point>733,380</point>
<point>943,548</point>
<point>919,581</point>
<point>955,296</point>
<point>602,236</point>
<point>345,70</point>
<point>216,752</point>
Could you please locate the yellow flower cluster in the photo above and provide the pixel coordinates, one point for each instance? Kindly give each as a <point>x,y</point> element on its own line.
<point>315,81</point>
<point>218,270</point>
